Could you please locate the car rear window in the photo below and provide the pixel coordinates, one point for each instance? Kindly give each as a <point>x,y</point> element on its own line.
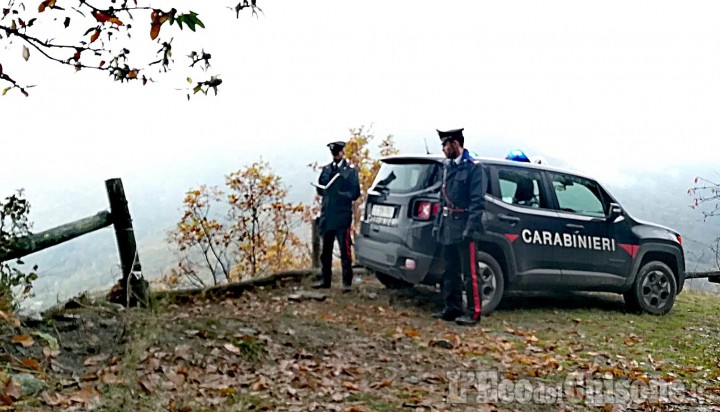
<point>405,177</point>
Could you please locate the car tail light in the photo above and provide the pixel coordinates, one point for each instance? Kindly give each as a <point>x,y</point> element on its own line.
<point>410,264</point>
<point>679,239</point>
<point>425,210</point>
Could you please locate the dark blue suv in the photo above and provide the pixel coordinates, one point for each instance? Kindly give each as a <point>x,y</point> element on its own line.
<point>547,229</point>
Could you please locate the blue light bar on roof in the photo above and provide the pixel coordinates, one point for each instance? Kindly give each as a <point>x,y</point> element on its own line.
<point>517,156</point>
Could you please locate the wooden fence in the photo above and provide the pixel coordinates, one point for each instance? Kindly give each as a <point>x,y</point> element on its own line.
<point>132,286</point>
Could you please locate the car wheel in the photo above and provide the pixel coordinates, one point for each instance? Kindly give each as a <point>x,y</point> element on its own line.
<point>491,282</point>
<point>392,282</point>
<point>654,289</point>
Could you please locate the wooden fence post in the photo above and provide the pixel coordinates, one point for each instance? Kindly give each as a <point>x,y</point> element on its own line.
<point>132,283</point>
<point>315,244</point>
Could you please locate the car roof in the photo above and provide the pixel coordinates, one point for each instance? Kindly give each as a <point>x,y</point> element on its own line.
<point>486,160</point>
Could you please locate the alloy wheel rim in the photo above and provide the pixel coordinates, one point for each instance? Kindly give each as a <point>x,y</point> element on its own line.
<point>487,282</point>
<point>655,289</point>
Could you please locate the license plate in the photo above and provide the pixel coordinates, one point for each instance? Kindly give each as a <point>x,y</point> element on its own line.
<point>383,211</point>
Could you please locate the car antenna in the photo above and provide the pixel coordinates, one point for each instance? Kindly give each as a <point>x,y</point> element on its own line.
<point>427,151</point>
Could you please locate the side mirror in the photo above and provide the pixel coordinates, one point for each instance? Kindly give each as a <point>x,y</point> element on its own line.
<point>615,212</point>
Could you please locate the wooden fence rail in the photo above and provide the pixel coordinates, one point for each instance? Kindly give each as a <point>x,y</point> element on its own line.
<point>131,286</point>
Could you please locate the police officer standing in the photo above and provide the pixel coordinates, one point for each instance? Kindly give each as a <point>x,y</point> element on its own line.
<point>339,186</point>
<point>457,228</point>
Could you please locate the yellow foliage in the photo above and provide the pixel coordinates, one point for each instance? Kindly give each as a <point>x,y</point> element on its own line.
<point>357,151</point>
<point>254,236</point>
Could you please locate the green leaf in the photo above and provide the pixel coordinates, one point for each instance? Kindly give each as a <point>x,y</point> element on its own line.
<point>189,80</point>
<point>197,89</point>
<point>51,341</point>
<point>5,90</point>
<point>190,19</point>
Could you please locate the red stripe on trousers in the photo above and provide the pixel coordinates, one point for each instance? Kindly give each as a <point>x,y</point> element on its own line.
<point>347,244</point>
<point>473,273</point>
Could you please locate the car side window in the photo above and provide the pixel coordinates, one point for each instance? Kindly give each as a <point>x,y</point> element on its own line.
<point>521,187</point>
<point>578,195</point>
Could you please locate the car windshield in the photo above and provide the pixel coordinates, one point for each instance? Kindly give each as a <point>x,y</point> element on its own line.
<point>404,177</point>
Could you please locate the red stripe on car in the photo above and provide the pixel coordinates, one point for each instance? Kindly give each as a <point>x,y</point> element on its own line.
<point>631,249</point>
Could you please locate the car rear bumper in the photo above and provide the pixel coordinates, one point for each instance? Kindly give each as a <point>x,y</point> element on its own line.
<point>390,258</point>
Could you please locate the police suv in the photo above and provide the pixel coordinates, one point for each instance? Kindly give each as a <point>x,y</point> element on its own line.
<point>546,229</point>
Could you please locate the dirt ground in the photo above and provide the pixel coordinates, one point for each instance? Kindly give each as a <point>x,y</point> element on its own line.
<point>288,348</point>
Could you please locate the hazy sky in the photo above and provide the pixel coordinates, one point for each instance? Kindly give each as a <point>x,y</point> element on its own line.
<point>611,87</point>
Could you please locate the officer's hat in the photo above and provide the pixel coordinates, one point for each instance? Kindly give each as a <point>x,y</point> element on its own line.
<point>449,135</point>
<point>336,147</point>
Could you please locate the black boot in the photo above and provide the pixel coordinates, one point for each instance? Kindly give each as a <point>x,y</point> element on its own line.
<point>321,284</point>
<point>467,320</point>
<point>448,315</point>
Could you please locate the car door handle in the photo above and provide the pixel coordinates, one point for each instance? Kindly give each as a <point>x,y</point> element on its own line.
<point>508,218</point>
<point>574,226</point>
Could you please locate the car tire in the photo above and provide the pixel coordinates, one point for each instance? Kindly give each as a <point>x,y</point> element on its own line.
<point>654,289</point>
<point>391,282</point>
<point>491,281</point>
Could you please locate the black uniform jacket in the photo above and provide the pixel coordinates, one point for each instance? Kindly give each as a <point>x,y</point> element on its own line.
<point>337,199</point>
<point>462,201</point>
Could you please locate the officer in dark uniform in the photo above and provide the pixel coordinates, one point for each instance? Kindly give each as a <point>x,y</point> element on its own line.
<point>457,226</point>
<point>342,189</point>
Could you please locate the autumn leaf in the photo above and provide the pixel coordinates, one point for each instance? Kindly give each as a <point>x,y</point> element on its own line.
<point>95,36</point>
<point>25,53</point>
<point>13,390</point>
<point>10,318</point>
<point>94,360</point>
<point>382,384</point>
<point>5,400</point>
<point>24,340</point>
<point>45,4</point>
<point>53,399</point>
<point>154,31</point>
<point>149,382</point>
<point>30,363</point>
<point>525,360</point>
<point>102,18</point>
<point>260,384</point>
<point>183,352</point>
<point>87,396</point>
<point>412,333</point>
<point>132,74</point>
<point>232,348</point>
<point>350,386</point>
<point>157,18</point>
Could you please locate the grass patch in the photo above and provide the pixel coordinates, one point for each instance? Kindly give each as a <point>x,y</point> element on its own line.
<point>145,330</point>
<point>245,402</point>
<point>251,348</point>
<point>683,343</point>
<point>372,402</point>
